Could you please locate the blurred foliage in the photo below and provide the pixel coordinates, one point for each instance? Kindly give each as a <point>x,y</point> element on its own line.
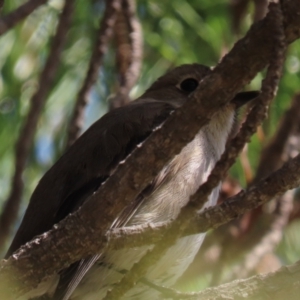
<point>184,32</point>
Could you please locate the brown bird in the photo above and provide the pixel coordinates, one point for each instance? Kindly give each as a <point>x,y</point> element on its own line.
<point>94,157</point>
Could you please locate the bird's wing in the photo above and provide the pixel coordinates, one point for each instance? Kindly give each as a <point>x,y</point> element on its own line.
<point>71,277</point>
<point>86,164</point>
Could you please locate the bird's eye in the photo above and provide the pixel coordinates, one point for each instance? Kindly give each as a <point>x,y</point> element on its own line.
<point>189,85</point>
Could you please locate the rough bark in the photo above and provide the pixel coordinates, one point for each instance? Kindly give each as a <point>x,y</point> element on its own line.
<point>80,230</point>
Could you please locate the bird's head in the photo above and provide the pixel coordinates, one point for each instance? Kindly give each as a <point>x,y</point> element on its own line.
<point>179,84</point>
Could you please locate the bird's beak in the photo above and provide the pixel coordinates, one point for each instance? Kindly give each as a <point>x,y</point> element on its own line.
<point>244,97</point>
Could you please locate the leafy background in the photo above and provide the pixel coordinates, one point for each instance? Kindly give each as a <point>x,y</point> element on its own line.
<point>174,33</point>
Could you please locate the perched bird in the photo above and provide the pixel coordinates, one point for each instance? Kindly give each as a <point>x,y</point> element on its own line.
<point>94,157</point>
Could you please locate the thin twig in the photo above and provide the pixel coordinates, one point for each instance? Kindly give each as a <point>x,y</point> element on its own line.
<point>10,20</point>
<point>128,35</point>
<point>274,154</point>
<point>276,184</point>
<point>286,178</point>
<point>104,34</point>
<point>255,117</point>
<point>270,161</point>
<point>11,207</point>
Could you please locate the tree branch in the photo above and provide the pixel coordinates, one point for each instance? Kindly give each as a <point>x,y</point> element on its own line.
<point>10,20</point>
<point>104,34</point>
<point>258,229</point>
<point>286,178</point>
<point>272,156</point>
<point>81,231</point>
<point>257,114</point>
<point>129,40</point>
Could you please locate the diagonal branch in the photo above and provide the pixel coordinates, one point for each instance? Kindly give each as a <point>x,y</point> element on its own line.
<point>131,177</point>
<point>282,180</point>
<point>104,34</point>
<point>79,234</point>
<point>272,156</point>
<point>266,234</point>
<point>259,227</point>
<point>11,207</point>
<point>255,117</point>
<point>286,178</point>
<point>276,152</point>
<point>10,20</point>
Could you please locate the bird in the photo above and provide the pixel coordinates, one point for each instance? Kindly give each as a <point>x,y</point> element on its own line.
<point>94,156</point>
